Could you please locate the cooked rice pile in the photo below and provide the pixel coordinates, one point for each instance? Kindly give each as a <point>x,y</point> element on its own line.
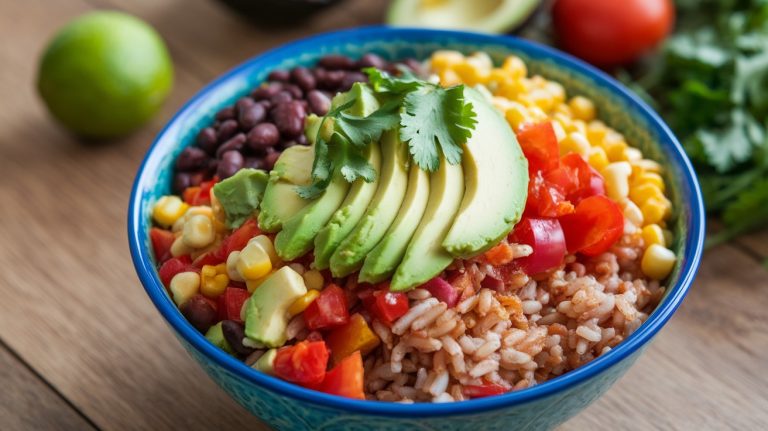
<point>533,331</point>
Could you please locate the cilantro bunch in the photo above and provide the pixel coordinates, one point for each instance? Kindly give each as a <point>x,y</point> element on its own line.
<point>711,85</point>
<point>431,120</point>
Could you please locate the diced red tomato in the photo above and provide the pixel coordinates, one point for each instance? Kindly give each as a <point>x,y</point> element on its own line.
<point>546,199</point>
<point>328,310</point>
<point>346,378</point>
<point>174,266</point>
<point>199,195</point>
<point>594,227</point>
<point>485,390</point>
<point>162,240</point>
<point>387,306</point>
<point>231,302</point>
<point>303,363</point>
<point>576,178</point>
<point>440,289</point>
<point>546,238</point>
<point>539,144</point>
<point>236,241</point>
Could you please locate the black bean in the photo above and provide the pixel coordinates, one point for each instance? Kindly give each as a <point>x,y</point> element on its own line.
<point>303,78</point>
<point>336,62</point>
<point>295,90</point>
<point>251,116</point>
<point>227,130</point>
<point>289,118</point>
<point>206,140</point>
<point>371,60</point>
<point>271,158</point>
<point>191,158</point>
<point>254,163</point>
<point>234,332</point>
<point>230,163</point>
<point>226,113</point>
<point>414,65</point>
<point>267,91</point>
<point>243,104</point>
<point>351,78</point>
<point>279,75</point>
<point>301,139</point>
<point>281,97</point>
<point>235,143</point>
<point>199,312</point>
<point>332,79</point>
<point>266,104</point>
<point>264,135</point>
<point>318,102</point>
<point>181,182</point>
<point>196,178</point>
<point>211,167</point>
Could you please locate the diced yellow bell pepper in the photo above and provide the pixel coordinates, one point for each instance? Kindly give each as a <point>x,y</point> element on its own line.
<point>355,335</point>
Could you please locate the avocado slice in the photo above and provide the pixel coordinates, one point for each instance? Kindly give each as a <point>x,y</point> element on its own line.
<point>490,16</point>
<point>384,258</point>
<point>349,213</point>
<point>496,183</point>
<point>266,314</point>
<point>280,200</point>
<point>241,194</point>
<point>425,257</point>
<point>216,336</point>
<point>393,181</point>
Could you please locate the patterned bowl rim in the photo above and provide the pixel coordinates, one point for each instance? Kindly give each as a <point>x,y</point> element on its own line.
<point>693,245</point>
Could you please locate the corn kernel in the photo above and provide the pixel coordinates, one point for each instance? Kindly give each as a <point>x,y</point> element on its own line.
<point>633,154</point>
<point>168,210</point>
<point>444,59</point>
<point>216,208</point>
<point>213,280</point>
<point>198,231</point>
<point>632,212</point>
<point>302,303</point>
<point>314,280</point>
<point>178,226</point>
<point>499,76</point>
<point>582,108</point>
<point>616,176</point>
<point>596,132</point>
<point>184,285</point>
<point>597,158</point>
<point>517,115</point>
<point>653,211</point>
<point>651,178</point>
<point>658,262</point>
<point>179,247</point>
<point>449,77</point>
<point>481,59</point>
<point>252,285</point>
<point>515,67</point>
<point>648,166</point>
<point>265,243</point>
<point>576,143</point>
<point>653,234</point>
<point>232,266</point>
<point>641,193</point>
<point>560,133</point>
<point>615,149</point>
<point>556,93</point>
<point>501,103</point>
<point>254,262</point>
<point>512,89</point>
<point>198,210</point>
<point>471,73</point>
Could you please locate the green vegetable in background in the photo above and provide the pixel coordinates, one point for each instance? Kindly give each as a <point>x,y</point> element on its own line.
<point>240,195</point>
<point>711,85</point>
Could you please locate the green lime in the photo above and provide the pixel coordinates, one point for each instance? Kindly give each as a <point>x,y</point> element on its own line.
<point>105,74</point>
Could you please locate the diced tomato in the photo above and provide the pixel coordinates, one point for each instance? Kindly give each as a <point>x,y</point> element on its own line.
<point>346,378</point>
<point>236,241</point>
<point>539,144</point>
<point>174,266</point>
<point>162,240</point>
<point>231,302</point>
<point>546,238</point>
<point>199,195</point>
<point>303,363</point>
<point>546,199</point>
<point>485,390</point>
<point>594,227</point>
<point>440,289</point>
<point>578,180</point>
<point>328,310</point>
<point>388,306</point>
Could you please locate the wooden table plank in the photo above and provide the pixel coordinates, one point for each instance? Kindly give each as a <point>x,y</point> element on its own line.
<point>27,403</point>
<point>757,242</point>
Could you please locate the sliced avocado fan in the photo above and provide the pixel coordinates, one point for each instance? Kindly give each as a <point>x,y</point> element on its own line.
<point>491,16</point>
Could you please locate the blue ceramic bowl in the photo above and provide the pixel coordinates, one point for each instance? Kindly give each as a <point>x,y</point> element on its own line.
<point>288,407</point>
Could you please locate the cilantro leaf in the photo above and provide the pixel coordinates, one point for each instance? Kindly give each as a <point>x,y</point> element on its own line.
<point>435,117</point>
<point>361,131</point>
<point>383,82</point>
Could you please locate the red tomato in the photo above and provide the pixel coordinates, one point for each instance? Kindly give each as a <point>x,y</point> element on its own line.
<point>162,240</point>
<point>174,266</point>
<point>231,302</point>
<point>539,144</point>
<point>546,198</point>
<point>546,238</point>
<point>236,241</point>
<point>328,310</point>
<point>387,306</point>
<point>199,195</point>
<point>346,378</point>
<point>612,32</point>
<point>594,227</point>
<point>303,363</point>
<point>486,390</point>
<point>578,180</point>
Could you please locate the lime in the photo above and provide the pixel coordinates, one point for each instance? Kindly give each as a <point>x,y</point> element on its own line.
<point>105,74</point>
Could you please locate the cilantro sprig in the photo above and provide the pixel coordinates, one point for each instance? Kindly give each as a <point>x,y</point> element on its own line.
<point>431,119</point>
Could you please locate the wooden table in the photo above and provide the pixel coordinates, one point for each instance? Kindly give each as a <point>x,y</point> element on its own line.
<point>81,346</point>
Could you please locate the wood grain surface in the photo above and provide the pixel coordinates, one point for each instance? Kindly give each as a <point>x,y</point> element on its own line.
<point>82,346</point>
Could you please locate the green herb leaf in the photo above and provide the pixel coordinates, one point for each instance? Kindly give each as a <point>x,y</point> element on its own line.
<point>361,131</point>
<point>383,82</point>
